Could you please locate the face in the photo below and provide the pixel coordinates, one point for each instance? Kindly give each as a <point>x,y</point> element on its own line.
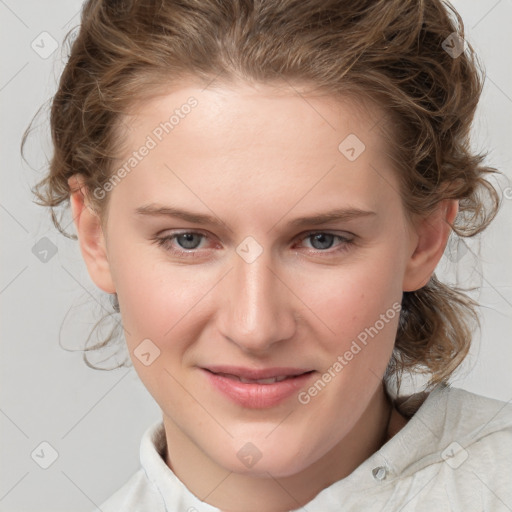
<point>250,289</point>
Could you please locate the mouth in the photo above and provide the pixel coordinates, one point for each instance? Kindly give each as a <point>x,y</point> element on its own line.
<point>257,388</point>
<point>270,380</point>
<point>258,376</point>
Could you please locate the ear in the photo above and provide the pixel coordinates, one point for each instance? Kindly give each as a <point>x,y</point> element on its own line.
<point>90,235</point>
<point>431,237</point>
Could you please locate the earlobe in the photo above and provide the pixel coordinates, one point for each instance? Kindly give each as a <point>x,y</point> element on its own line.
<point>90,235</point>
<point>432,235</point>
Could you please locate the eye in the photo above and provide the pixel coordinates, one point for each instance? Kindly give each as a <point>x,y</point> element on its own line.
<point>187,243</point>
<point>321,241</point>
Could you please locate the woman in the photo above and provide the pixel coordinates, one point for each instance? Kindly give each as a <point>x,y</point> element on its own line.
<point>266,189</point>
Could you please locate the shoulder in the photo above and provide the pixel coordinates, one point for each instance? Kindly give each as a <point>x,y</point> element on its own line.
<point>454,453</point>
<point>474,448</point>
<point>455,411</point>
<point>138,494</point>
<point>476,418</point>
<point>478,450</point>
<point>482,426</point>
<point>471,420</point>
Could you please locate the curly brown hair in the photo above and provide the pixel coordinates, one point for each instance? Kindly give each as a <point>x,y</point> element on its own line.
<point>398,53</point>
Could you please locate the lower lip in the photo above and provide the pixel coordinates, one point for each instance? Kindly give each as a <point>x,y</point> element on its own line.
<point>254,395</point>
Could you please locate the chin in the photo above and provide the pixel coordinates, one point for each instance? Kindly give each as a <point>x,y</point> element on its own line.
<point>272,467</point>
<point>280,463</point>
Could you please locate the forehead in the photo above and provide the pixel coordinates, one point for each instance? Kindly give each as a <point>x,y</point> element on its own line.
<point>248,140</point>
<point>243,110</point>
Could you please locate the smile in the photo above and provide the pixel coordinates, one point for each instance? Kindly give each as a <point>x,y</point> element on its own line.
<point>257,389</point>
<point>270,380</point>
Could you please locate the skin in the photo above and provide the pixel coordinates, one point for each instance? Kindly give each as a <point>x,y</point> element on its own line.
<point>257,157</point>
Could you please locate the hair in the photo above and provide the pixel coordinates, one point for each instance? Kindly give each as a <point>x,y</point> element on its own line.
<point>391,52</point>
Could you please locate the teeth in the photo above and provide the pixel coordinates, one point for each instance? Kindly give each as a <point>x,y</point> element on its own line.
<point>270,380</point>
<point>262,381</point>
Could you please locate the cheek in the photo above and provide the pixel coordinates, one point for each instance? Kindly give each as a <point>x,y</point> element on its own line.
<point>160,302</point>
<point>159,297</point>
<point>351,298</point>
<point>155,295</point>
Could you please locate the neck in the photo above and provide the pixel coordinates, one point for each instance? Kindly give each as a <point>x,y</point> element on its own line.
<point>223,488</point>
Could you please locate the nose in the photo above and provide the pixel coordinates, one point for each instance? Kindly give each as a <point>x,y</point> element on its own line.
<point>256,306</point>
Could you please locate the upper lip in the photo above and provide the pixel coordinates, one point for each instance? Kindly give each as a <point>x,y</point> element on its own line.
<point>255,373</point>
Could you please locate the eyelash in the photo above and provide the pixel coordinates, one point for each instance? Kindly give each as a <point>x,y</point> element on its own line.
<point>165,242</point>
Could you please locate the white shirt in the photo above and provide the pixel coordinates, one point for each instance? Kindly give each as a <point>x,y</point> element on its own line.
<point>453,455</point>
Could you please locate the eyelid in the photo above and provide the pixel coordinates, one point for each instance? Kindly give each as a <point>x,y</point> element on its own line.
<point>334,232</point>
<point>305,234</point>
<point>346,241</point>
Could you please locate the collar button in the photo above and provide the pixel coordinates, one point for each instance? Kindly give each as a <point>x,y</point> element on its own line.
<point>380,472</point>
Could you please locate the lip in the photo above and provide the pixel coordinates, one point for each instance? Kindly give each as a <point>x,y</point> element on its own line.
<point>256,395</point>
<point>257,373</point>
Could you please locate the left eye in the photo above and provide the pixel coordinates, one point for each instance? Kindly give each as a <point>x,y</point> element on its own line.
<point>189,241</point>
<point>324,240</point>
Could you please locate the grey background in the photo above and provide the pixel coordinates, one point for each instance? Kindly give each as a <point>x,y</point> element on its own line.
<point>95,419</point>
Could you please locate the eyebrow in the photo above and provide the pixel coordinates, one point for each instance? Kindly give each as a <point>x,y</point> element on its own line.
<point>339,214</point>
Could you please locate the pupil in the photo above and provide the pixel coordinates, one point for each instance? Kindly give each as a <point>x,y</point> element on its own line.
<point>188,240</point>
<point>320,237</point>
